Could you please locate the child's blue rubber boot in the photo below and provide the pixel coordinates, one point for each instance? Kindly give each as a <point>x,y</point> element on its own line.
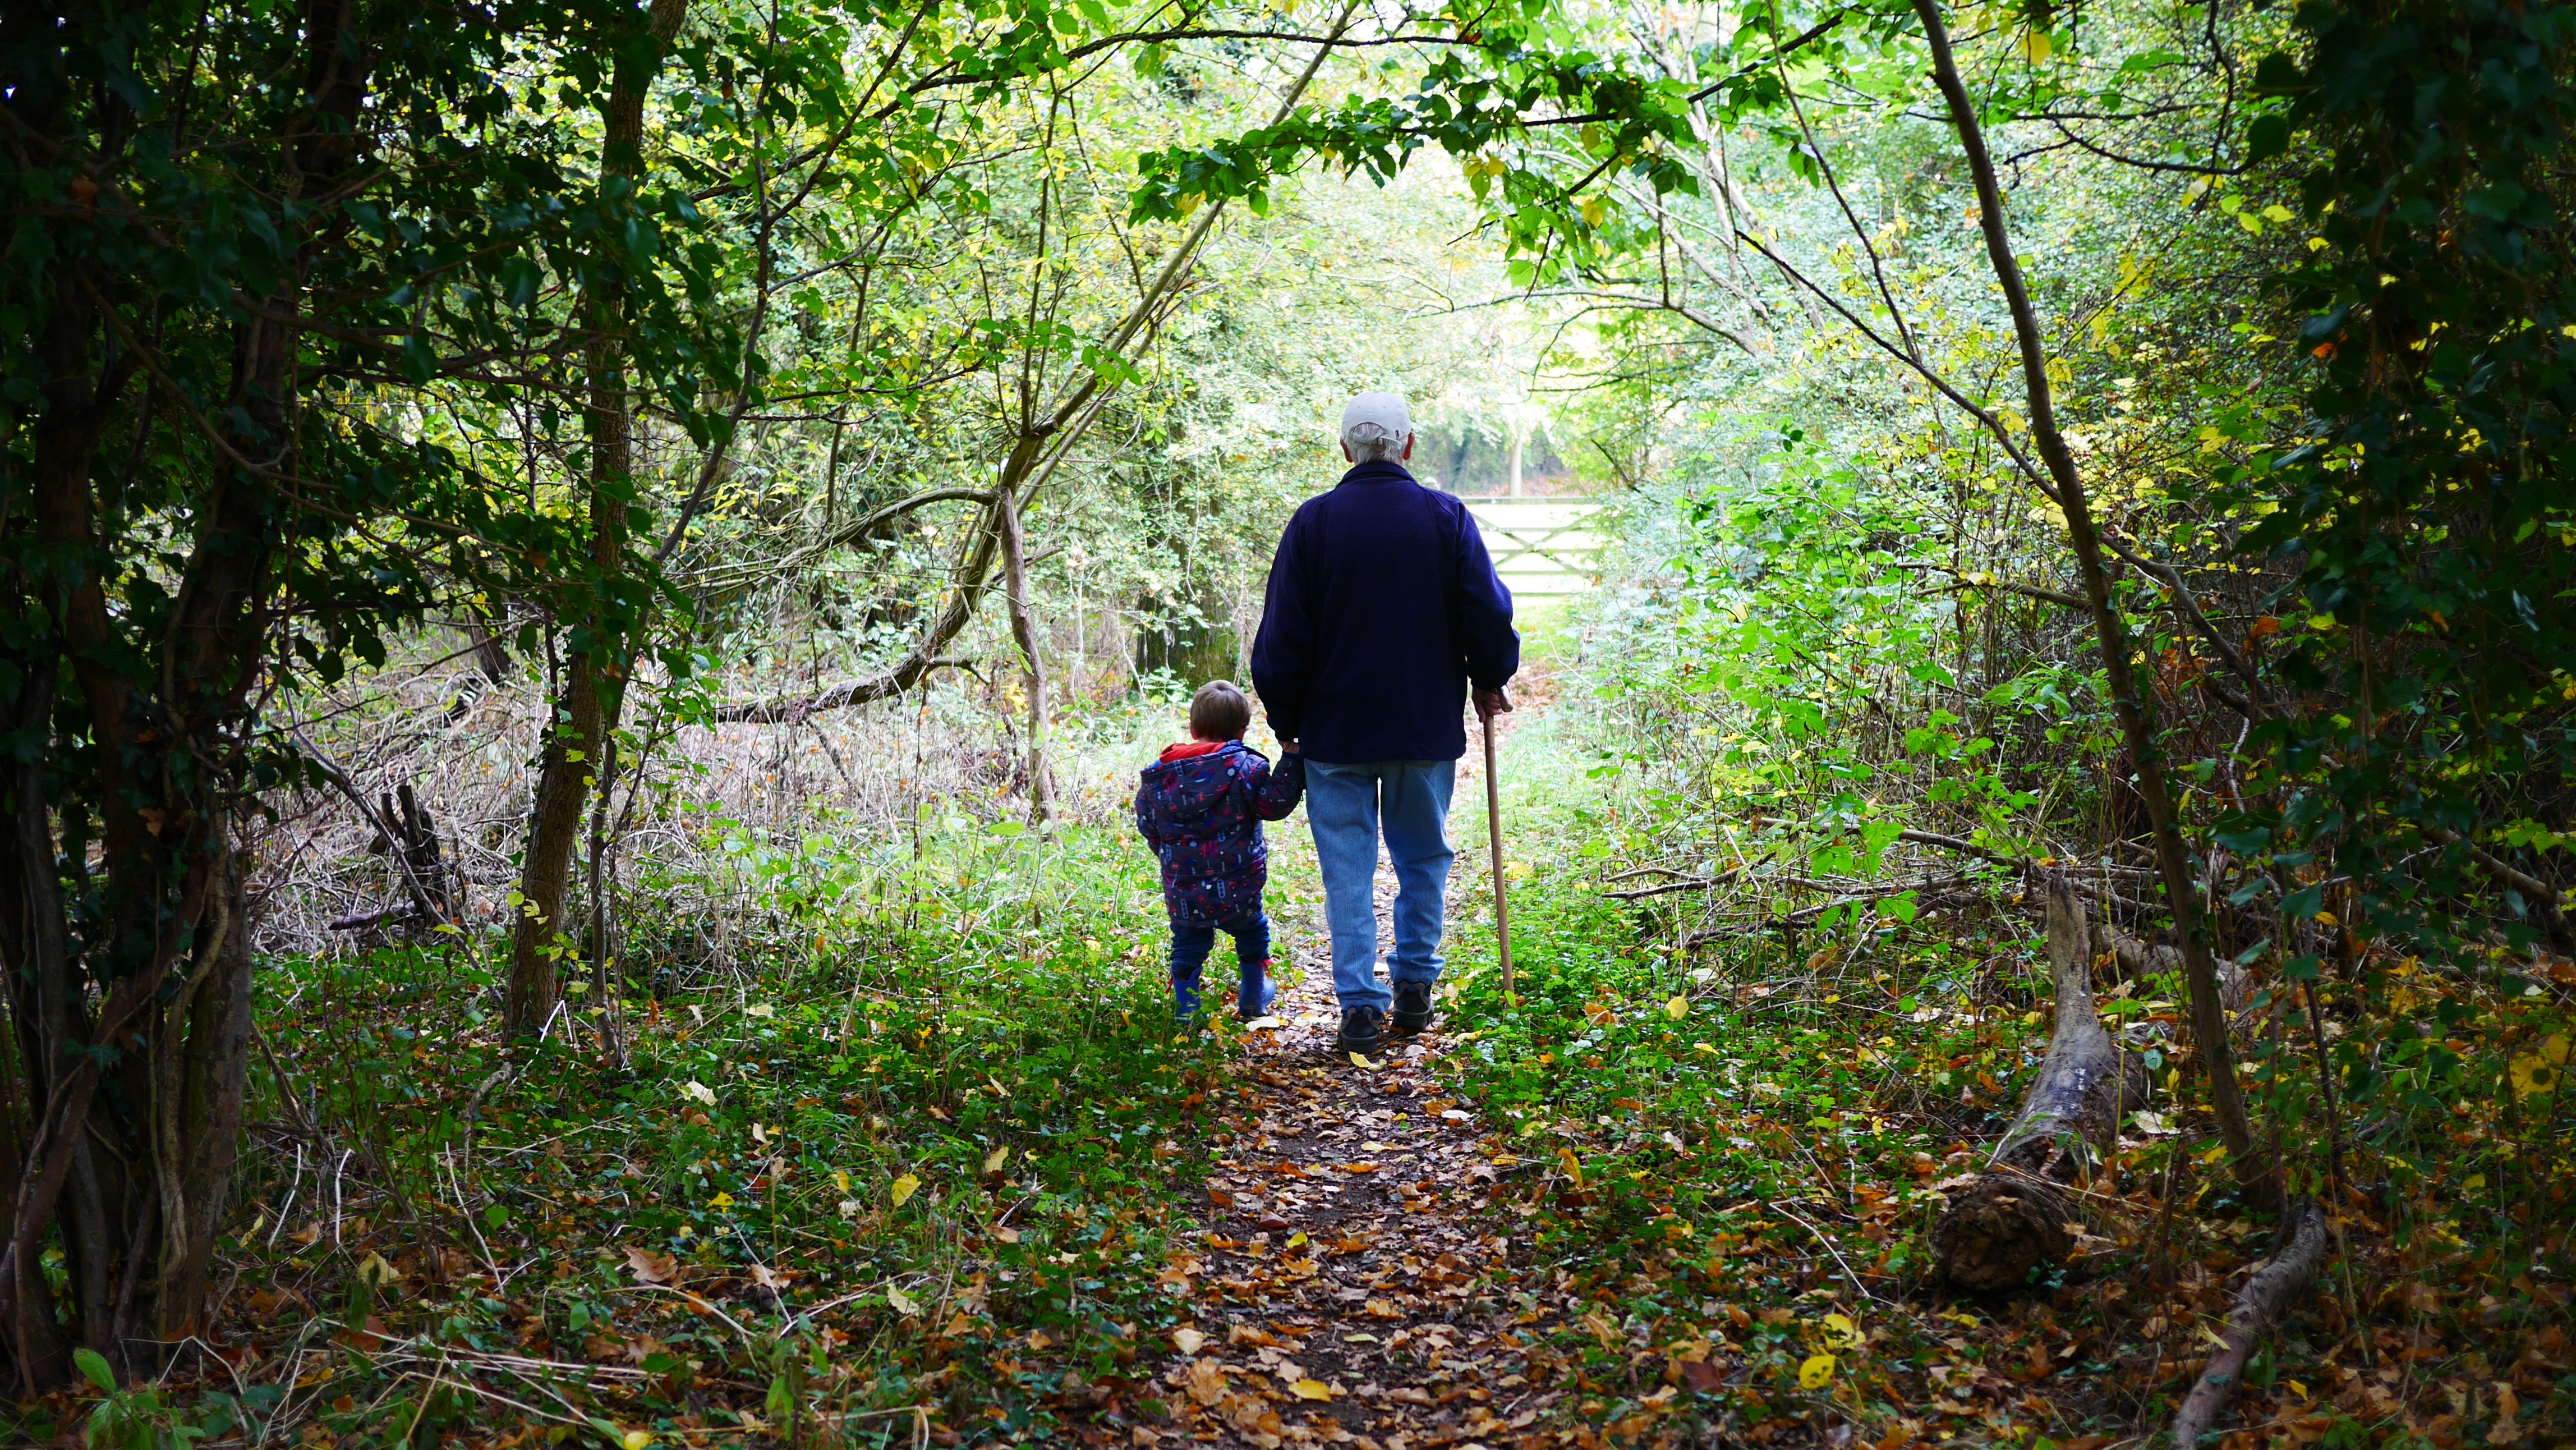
<point>1255,994</point>
<point>1185,1000</point>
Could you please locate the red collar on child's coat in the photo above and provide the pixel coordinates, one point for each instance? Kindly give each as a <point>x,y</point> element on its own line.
<point>1192,749</point>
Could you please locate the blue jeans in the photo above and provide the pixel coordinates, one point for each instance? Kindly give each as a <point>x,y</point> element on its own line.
<point>1191,943</point>
<point>1346,807</point>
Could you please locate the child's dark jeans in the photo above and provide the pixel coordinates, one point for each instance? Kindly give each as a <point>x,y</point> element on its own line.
<point>1191,943</point>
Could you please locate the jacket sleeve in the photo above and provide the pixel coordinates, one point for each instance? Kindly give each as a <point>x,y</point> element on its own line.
<point>1481,612</point>
<point>1145,816</point>
<point>1283,652</point>
<point>1280,788</point>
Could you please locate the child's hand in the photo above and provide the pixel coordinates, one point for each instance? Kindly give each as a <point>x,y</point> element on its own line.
<point>1287,747</point>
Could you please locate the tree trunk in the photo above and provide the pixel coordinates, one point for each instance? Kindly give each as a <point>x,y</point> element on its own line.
<point>2128,701</point>
<point>594,680</point>
<point>1015,593</point>
<point>142,765</point>
<point>198,1110</point>
<point>2014,1217</point>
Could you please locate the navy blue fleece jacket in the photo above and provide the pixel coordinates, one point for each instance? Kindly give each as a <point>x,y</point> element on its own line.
<point>1382,608</point>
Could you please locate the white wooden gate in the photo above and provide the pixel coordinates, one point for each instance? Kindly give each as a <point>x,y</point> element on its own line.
<point>1543,548</point>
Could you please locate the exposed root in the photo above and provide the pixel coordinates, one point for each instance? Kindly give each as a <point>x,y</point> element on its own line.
<point>2265,1298</point>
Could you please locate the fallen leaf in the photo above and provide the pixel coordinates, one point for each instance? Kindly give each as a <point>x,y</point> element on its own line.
<point>1359,1060</point>
<point>994,1160</point>
<point>1312,1389</point>
<point>651,1267</point>
<point>1188,1341</point>
<point>1817,1372</point>
<point>904,1188</point>
<point>904,1304</point>
<point>1678,1008</point>
<point>1207,1381</point>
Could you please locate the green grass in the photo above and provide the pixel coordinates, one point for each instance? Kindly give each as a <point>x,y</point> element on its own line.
<point>925,1123</point>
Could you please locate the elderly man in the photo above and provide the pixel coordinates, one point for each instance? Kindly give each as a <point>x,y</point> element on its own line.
<point>1383,611</point>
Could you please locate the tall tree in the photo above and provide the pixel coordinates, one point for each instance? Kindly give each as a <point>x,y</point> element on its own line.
<point>606,610</point>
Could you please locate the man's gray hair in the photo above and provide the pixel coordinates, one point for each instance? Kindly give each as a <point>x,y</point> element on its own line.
<point>1375,443</point>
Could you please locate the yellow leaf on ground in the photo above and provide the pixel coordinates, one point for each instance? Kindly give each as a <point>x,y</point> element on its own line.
<point>1817,1372</point>
<point>994,1160</point>
<point>904,1188</point>
<point>904,1304</point>
<point>2532,1074</point>
<point>1678,1008</point>
<point>1188,1341</point>
<point>1312,1390</point>
<point>1359,1060</point>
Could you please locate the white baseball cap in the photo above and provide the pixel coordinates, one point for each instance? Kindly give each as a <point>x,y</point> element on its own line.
<point>1384,410</point>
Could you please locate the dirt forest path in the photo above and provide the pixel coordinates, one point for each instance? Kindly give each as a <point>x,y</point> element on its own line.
<point>1347,1284</point>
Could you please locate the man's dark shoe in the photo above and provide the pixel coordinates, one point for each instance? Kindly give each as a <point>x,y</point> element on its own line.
<point>1412,1008</point>
<point>1360,1030</point>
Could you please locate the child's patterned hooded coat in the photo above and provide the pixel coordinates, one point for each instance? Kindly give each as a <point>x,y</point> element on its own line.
<point>1201,807</point>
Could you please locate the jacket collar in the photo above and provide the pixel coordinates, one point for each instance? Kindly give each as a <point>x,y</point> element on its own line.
<point>1192,750</point>
<point>1377,470</point>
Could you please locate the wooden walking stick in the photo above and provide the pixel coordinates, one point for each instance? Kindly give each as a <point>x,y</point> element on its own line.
<point>1502,893</point>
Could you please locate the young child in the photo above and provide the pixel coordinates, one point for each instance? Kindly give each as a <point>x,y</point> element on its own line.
<point>1201,807</point>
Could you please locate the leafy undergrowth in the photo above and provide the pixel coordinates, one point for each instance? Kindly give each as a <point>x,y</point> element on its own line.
<point>915,1182</point>
<point>1745,1149</point>
<point>908,1161</point>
